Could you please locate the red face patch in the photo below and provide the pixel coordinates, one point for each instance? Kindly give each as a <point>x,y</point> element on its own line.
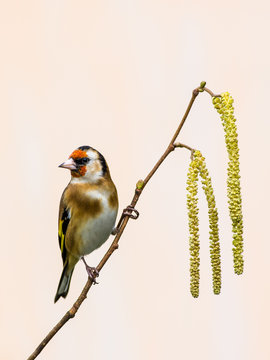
<point>81,172</point>
<point>78,154</point>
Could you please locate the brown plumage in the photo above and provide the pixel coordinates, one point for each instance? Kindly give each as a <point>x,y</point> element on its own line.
<point>88,210</point>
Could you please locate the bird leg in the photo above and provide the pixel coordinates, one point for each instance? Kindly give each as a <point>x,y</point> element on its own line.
<point>91,271</point>
<point>128,211</point>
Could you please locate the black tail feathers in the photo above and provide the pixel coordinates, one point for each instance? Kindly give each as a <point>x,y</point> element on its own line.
<point>64,283</point>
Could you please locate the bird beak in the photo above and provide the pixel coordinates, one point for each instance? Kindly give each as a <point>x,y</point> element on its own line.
<point>69,164</point>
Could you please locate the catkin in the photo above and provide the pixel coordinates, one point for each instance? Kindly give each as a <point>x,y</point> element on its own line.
<point>224,106</point>
<point>198,167</point>
<point>194,244</point>
<point>213,223</point>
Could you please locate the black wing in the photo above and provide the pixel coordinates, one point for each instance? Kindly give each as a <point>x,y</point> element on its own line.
<point>64,220</point>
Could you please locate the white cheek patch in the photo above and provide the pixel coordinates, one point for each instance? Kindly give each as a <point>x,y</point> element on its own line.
<point>95,168</point>
<point>92,175</point>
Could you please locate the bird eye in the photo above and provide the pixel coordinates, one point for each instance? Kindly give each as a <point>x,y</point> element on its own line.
<point>82,161</point>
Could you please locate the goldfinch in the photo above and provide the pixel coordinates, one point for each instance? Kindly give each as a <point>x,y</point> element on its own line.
<point>87,213</point>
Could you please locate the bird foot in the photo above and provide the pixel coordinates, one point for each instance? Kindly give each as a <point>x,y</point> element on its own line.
<point>92,272</point>
<point>129,211</point>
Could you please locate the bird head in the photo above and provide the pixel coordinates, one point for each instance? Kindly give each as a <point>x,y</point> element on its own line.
<point>86,164</point>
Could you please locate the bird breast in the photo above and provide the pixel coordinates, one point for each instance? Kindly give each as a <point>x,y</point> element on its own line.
<point>96,230</point>
<point>93,215</point>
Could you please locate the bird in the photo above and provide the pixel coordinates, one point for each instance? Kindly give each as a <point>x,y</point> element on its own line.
<point>87,212</point>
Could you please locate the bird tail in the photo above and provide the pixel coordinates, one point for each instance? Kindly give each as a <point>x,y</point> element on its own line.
<point>64,282</point>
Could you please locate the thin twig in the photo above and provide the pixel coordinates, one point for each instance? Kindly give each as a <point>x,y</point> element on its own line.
<point>71,313</point>
<point>183,146</point>
<point>211,93</point>
<point>171,147</point>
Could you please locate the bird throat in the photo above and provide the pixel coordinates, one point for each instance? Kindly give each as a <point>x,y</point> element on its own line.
<point>80,172</point>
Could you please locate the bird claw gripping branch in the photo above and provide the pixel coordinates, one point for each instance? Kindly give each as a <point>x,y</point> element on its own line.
<point>129,211</point>
<point>92,272</point>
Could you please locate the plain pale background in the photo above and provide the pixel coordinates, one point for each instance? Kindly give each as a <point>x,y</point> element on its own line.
<point>117,75</point>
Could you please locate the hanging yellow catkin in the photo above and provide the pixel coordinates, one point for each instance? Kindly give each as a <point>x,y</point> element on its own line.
<point>224,106</point>
<point>198,167</point>
<point>213,222</point>
<point>194,244</point>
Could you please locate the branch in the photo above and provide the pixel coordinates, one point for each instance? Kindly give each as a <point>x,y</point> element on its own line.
<point>139,188</point>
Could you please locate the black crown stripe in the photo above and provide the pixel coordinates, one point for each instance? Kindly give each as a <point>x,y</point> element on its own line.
<point>84,147</point>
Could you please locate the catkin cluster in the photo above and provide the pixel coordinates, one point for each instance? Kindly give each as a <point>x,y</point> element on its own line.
<point>198,167</point>
<point>224,106</point>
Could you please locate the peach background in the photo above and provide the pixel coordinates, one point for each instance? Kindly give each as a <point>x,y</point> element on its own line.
<point>118,75</point>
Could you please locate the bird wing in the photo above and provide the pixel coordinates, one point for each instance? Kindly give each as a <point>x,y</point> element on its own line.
<point>64,219</point>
